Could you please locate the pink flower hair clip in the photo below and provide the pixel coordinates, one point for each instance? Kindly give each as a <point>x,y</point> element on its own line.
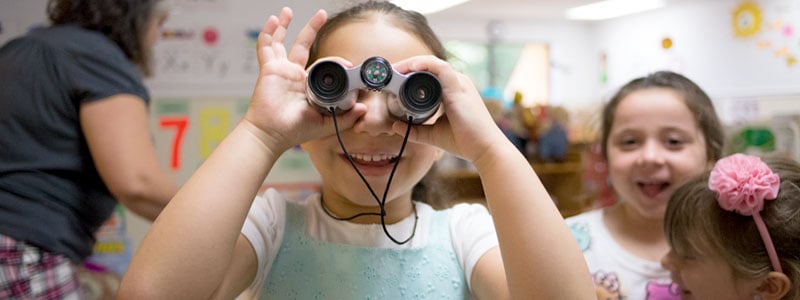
<point>742,183</point>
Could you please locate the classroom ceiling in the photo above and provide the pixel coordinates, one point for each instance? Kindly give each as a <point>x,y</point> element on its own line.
<point>519,9</point>
<point>512,9</point>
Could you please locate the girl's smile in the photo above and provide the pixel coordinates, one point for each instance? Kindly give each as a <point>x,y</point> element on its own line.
<point>653,189</point>
<point>376,164</point>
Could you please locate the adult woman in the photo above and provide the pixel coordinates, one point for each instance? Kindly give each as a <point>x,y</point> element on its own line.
<point>75,142</point>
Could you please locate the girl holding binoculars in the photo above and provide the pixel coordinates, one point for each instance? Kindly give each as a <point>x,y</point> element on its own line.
<point>360,237</point>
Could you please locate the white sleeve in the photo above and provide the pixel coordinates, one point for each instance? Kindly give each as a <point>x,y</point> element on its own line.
<point>264,229</point>
<point>473,234</point>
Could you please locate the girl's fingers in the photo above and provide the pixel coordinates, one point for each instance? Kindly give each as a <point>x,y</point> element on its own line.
<point>453,82</point>
<point>299,52</point>
<point>420,134</point>
<point>270,26</point>
<point>265,39</point>
<point>428,63</point>
<point>273,34</point>
<point>278,50</point>
<point>286,17</point>
<point>283,22</point>
<point>345,63</point>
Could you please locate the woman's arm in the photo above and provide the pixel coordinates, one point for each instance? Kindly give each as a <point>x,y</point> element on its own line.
<point>119,139</point>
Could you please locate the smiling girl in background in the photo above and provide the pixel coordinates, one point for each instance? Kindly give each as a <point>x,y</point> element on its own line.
<point>657,132</point>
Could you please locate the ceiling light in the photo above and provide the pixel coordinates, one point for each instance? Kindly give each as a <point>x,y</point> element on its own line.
<point>611,9</point>
<point>427,6</point>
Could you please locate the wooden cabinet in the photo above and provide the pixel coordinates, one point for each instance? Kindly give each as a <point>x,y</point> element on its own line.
<point>563,180</point>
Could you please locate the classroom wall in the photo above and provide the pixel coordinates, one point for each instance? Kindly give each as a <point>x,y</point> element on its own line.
<point>573,79</point>
<point>16,17</point>
<point>706,48</point>
<point>753,78</point>
<point>209,48</point>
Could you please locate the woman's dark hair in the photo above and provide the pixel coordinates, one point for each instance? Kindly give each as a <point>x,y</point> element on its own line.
<point>694,97</point>
<point>123,21</point>
<point>410,21</point>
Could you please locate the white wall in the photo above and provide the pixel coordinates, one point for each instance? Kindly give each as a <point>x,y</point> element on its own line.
<point>228,67</point>
<point>705,47</point>
<point>574,76</point>
<point>17,17</point>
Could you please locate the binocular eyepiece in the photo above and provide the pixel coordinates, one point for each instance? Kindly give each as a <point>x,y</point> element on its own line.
<point>331,85</point>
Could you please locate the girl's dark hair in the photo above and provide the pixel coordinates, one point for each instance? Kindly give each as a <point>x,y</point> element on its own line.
<point>410,21</point>
<point>123,21</point>
<point>695,98</point>
<point>695,224</point>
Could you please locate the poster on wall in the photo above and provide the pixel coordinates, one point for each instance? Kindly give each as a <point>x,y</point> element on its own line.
<point>187,130</point>
<point>198,48</point>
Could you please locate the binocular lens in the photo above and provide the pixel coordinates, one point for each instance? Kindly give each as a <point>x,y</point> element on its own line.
<point>328,81</point>
<point>421,92</point>
<point>418,93</point>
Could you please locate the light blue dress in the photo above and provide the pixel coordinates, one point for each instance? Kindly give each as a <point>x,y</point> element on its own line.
<point>306,268</point>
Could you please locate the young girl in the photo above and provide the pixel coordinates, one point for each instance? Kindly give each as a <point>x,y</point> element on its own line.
<point>735,231</point>
<point>657,132</point>
<point>215,240</point>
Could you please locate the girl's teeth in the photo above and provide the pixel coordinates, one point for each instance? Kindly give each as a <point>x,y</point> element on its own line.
<point>371,158</point>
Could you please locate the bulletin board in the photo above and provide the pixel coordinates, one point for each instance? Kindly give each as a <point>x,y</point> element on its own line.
<point>186,131</point>
<point>205,68</point>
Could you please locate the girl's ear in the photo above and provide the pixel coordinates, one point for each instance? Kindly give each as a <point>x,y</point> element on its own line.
<point>774,286</point>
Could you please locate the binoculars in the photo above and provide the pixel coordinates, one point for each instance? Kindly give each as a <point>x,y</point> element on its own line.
<point>332,86</point>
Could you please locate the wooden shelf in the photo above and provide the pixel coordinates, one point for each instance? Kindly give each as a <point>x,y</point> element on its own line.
<point>563,180</point>
<point>553,168</point>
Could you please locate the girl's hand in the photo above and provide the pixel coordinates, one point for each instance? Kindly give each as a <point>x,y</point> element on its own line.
<point>466,129</point>
<point>278,109</point>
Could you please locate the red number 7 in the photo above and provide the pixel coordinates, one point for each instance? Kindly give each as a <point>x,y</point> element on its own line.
<point>181,124</point>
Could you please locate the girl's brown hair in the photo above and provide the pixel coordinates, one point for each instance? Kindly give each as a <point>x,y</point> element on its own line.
<point>410,21</point>
<point>695,224</point>
<point>694,97</point>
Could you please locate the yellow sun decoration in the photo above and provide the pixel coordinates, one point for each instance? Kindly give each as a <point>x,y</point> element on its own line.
<point>747,19</point>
